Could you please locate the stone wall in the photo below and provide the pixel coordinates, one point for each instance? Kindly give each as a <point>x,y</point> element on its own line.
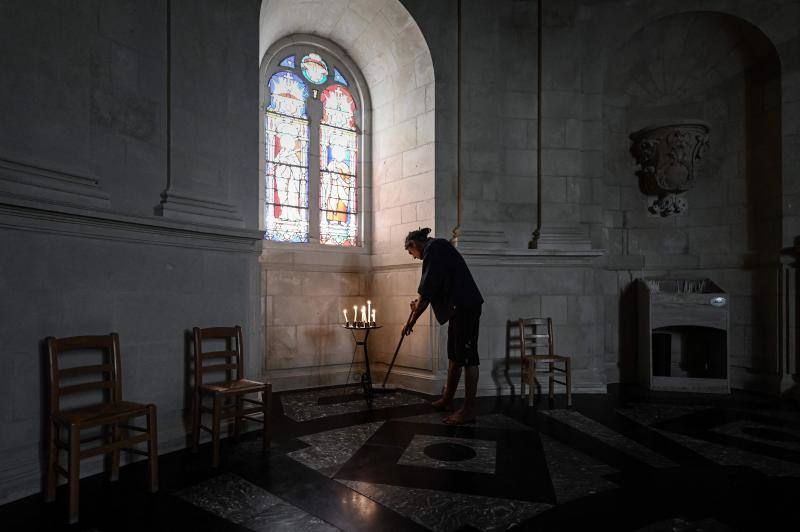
<point>580,197</point>
<point>129,184</point>
<point>727,68</point>
<point>85,155</point>
<point>387,50</point>
<point>521,284</point>
<point>304,295</point>
<point>386,46</point>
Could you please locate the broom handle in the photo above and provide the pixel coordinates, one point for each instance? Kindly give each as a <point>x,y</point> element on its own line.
<point>400,343</point>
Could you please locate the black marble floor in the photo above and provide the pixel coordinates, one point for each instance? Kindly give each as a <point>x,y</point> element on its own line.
<point>627,460</point>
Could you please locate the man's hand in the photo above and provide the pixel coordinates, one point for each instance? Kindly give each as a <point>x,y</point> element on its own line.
<point>417,308</point>
<point>412,319</point>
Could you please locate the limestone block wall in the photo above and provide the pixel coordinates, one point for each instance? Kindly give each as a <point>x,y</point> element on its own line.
<point>732,230</point>
<point>571,126</point>
<point>588,181</point>
<point>498,118</point>
<point>731,222</point>
<point>523,284</point>
<point>418,364</point>
<point>303,296</point>
<point>59,282</point>
<point>514,284</point>
<point>385,44</point>
<point>87,148</point>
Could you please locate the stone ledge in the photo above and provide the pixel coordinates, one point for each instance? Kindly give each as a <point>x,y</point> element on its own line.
<point>316,258</point>
<point>532,257</point>
<point>47,186</point>
<point>179,205</point>
<point>27,215</point>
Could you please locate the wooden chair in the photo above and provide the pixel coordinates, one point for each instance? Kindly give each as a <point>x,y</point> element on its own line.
<point>513,341</point>
<point>536,333</point>
<point>227,394</point>
<point>110,414</point>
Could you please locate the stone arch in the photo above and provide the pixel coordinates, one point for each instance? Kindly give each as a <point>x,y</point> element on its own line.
<point>359,88</point>
<point>304,344</point>
<point>720,69</point>
<point>389,49</point>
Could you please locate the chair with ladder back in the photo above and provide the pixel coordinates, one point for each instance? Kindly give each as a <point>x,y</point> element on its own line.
<point>106,412</point>
<point>228,394</point>
<point>536,333</point>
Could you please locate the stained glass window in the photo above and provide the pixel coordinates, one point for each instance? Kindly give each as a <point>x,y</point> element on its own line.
<point>338,107</point>
<point>314,68</point>
<point>288,94</point>
<point>338,77</point>
<point>338,151</point>
<point>293,179</point>
<point>286,205</point>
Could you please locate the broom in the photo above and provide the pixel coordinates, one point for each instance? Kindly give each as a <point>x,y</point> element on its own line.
<point>399,344</point>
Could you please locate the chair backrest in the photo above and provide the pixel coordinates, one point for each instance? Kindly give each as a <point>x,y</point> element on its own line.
<point>72,379</point>
<point>536,333</point>
<point>208,361</point>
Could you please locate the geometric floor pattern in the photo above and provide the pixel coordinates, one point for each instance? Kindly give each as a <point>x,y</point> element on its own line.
<point>626,460</point>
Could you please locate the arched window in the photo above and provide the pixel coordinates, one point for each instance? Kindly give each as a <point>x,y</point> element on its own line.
<point>312,132</point>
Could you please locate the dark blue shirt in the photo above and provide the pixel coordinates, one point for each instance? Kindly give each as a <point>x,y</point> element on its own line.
<point>446,280</point>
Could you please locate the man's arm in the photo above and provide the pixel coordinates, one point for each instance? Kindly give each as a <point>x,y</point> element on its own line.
<point>418,306</point>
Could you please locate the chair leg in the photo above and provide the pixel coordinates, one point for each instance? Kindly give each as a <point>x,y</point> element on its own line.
<point>74,472</point>
<point>508,346</point>
<point>531,381</point>
<point>215,431</point>
<point>551,376</point>
<point>266,402</point>
<point>196,418</point>
<point>152,448</point>
<point>52,460</point>
<point>237,421</point>
<point>114,454</point>
<point>569,382</point>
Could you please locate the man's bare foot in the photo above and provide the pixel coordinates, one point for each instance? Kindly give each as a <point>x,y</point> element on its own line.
<point>460,417</point>
<point>443,404</point>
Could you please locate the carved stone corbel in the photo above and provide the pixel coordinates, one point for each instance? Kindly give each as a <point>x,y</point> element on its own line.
<point>667,155</point>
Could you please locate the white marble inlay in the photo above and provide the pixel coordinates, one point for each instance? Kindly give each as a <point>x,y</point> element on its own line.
<point>614,439</point>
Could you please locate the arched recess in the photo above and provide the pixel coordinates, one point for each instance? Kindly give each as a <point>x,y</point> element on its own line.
<point>722,70</point>
<point>357,86</point>
<point>305,292</point>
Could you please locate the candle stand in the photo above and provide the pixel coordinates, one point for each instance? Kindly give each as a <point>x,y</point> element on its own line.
<point>366,377</point>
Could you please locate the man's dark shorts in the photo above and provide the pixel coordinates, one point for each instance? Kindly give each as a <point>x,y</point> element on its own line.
<point>462,336</point>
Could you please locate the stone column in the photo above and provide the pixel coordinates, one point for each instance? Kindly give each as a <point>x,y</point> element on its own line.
<point>204,149</point>
<point>564,194</point>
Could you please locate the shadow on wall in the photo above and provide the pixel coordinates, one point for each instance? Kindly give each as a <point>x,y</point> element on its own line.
<point>721,70</point>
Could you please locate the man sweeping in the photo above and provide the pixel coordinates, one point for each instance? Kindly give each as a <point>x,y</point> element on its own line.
<point>447,285</point>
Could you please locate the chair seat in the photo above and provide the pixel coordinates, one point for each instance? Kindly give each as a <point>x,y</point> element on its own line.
<point>235,387</point>
<point>100,414</point>
<point>546,358</point>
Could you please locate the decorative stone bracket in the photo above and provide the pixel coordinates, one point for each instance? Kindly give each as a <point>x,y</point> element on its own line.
<point>667,155</point>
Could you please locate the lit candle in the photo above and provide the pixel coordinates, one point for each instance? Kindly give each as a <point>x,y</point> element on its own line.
<point>344,311</point>
<point>373,317</point>
<point>363,313</point>
<point>355,314</point>
<point>369,310</point>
